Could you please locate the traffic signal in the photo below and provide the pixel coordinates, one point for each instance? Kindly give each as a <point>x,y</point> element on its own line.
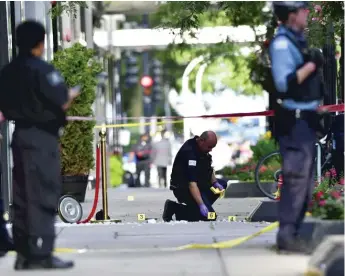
<point>157,73</point>
<point>132,71</point>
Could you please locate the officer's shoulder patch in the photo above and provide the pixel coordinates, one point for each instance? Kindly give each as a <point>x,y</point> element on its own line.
<point>54,78</point>
<point>280,43</point>
<point>191,162</point>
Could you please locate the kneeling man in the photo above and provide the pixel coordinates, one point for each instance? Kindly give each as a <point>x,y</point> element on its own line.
<point>191,181</point>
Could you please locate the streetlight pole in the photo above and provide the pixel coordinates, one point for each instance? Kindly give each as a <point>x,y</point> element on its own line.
<point>187,71</point>
<point>185,90</point>
<point>198,80</point>
<point>147,99</point>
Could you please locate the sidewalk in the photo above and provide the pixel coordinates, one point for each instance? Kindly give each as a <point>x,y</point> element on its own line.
<point>150,202</point>
<point>134,248</point>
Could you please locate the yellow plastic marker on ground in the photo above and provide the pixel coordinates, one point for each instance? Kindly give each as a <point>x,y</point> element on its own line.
<point>141,217</point>
<point>232,218</point>
<point>211,215</point>
<point>130,198</point>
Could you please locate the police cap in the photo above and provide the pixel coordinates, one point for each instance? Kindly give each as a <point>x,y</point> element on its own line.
<point>29,34</point>
<point>283,8</point>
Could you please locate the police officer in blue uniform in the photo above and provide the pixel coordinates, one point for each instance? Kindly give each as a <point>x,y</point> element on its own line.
<point>33,95</point>
<point>299,90</point>
<point>191,180</point>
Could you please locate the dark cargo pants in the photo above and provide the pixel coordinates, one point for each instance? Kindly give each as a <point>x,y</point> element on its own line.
<point>298,152</point>
<point>36,191</point>
<point>145,167</point>
<point>190,211</point>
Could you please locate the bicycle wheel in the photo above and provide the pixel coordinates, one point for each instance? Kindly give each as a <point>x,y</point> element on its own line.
<point>268,173</point>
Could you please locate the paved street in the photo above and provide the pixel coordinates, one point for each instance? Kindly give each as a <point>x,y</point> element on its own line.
<point>142,248</point>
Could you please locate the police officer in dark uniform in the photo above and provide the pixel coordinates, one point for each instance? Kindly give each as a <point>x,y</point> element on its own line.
<point>299,90</point>
<point>33,95</point>
<point>191,180</point>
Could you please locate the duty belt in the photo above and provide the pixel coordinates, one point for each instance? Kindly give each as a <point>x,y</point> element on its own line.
<point>298,113</point>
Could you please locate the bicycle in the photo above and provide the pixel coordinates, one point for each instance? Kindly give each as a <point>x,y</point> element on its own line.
<point>323,161</point>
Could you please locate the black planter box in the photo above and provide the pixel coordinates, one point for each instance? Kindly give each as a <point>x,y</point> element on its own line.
<point>246,189</point>
<point>266,210</point>
<point>75,185</point>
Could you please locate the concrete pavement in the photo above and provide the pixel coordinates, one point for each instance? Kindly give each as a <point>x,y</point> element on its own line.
<point>142,248</point>
<point>150,201</point>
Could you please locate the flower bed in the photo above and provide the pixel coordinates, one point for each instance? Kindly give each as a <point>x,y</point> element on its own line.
<point>246,172</point>
<point>328,200</point>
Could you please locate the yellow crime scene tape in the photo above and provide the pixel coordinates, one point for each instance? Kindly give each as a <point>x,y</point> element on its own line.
<point>136,124</point>
<point>230,243</point>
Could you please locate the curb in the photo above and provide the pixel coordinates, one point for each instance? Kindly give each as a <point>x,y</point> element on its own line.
<point>245,189</point>
<point>314,231</point>
<point>328,258</point>
<point>266,210</point>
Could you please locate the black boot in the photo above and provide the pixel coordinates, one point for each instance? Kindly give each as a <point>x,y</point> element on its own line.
<point>293,245</point>
<point>51,262</point>
<point>169,210</point>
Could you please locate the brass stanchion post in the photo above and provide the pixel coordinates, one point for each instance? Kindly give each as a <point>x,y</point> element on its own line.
<point>103,135</point>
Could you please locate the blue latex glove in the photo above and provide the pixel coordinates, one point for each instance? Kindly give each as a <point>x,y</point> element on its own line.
<point>203,210</point>
<point>217,185</point>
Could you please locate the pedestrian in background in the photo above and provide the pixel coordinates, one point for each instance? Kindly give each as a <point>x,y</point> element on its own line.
<point>162,158</point>
<point>142,151</point>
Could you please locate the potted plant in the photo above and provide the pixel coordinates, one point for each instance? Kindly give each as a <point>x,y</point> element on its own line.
<point>78,66</point>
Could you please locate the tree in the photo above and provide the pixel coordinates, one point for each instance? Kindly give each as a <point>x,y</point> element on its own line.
<point>70,7</point>
<point>190,15</point>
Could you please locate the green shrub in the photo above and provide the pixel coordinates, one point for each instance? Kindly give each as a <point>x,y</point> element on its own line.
<point>263,147</point>
<point>78,67</point>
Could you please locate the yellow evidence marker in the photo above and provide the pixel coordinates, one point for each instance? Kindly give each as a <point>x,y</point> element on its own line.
<point>211,215</point>
<point>141,217</point>
<point>232,218</point>
<point>130,198</point>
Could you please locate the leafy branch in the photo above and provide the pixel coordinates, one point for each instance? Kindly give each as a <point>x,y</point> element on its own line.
<point>70,7</point>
